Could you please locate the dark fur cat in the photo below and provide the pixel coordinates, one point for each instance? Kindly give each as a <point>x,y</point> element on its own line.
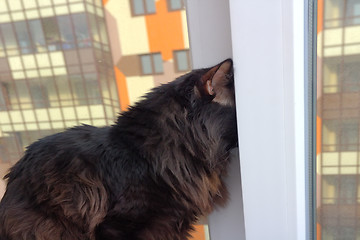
<point>148,177</point>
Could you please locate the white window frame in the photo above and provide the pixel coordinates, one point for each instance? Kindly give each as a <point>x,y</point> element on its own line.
<point>266,40</point>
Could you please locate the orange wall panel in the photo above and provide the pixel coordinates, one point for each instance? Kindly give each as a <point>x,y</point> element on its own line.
<point>199,233</point>
<point>320,15</point>
<point>318,231</point>
<point>165,30</point>
<point>318,135</point>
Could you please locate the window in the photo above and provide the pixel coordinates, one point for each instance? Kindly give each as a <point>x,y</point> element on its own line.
<point>2,50</point>
<point>38,94</point>
<point>47,63</point>
<point>9,39</point>
<point>338,119</point>
<point>10,91</point>
<point>4,99</point>
<point>93,26</point>
<point>23,94</point>
<point>182,60</point>
<point>102,29</point>
<point>340,135</point>
<point>142,7</point>
<point>339,12</point>
<point>341,74</point>
<point>23,37</point>
<point>51,90</point>
<point>353,12</point>
<point>175,5</point>
<point>81,30</point>
<point>93,89</point>
<point>37,35</point>
<point>66,33</point>
<point>51,32</point>
<point>151,64</point>
<point>78,87</point>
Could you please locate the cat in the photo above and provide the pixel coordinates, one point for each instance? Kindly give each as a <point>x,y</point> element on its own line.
<point>150,176</point>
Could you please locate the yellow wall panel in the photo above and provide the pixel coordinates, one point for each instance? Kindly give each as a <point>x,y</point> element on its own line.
<point>132,30</point>
<point>137,86</point>
<point>185,29</point>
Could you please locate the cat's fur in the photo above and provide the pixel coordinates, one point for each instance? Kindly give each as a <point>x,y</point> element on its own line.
<point>150,176</point>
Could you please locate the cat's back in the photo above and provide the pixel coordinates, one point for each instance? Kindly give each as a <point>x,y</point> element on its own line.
<point>59,152</point>
<point>57,181</point>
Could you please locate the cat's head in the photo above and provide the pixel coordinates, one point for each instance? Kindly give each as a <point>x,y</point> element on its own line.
<point>209,85</point>
<point>218,83</point>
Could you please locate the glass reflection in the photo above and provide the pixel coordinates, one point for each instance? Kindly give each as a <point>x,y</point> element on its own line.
<point>338,114</point>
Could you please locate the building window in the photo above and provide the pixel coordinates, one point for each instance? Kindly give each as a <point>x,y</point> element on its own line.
<point>39,96</point>
<point>81,30</point>
<point>9,39</point>
<point>182,60</point>
<point>174,5</point>
<point>341,74</point>
<point>142,7</point>
<point>51,32</point>
<point>66,33</point>
<point>23,37</point>
<point>4,98</point>
<point>340,135</point>
<point>339,12</point>
<point>151,64</point>
<point>37,35</point>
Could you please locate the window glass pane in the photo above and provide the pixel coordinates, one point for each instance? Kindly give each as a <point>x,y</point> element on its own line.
<point>138,7</point>
<point>175,4</point>
<point>349,135</point>
<point>92,88</point>
<point>338,121</point>
<point>333,9</point>
<point>146,64</point>
<point>3,97</point>
<point>79,89</point>
<point>50,89</point>
<point>37,35</point>
<point>2,49</point>
<point>353,8</point>
<point>62,86</point>
<point>81,30</point>
<point>113,89</point>
<point>51,31</point>
<point>182,60</point>
<point>22,90</point>
<point>348,190</point>
<point>150,6</point>
<point>329,189</point>
<point>66,34</point>
<point>93,27</point>
<point>10,91</point>
<point>104,86</point>
<point>23,37</point>
<point>102,29</point>
<point>38,94</point>
<point>158,63</point>
<point>8,35</point>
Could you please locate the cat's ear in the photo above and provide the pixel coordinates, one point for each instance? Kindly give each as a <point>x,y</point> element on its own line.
<point>215,82</point>
<point>216,77</point>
